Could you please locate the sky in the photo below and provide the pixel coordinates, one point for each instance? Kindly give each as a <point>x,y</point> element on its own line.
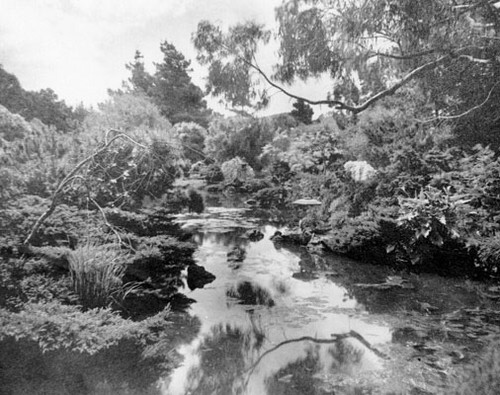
<point>79,48</point>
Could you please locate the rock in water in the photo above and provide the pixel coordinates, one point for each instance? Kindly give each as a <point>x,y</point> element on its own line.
<point>197,277</point>
<point>254,235</point>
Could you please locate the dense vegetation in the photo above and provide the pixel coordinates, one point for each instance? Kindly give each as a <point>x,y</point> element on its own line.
<point>406,167</point>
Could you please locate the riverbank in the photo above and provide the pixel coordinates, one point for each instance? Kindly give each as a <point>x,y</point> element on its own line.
<point>277,318</point>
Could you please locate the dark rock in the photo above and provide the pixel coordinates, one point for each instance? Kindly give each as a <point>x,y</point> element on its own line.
<point>294,238</point>
<point>254,235</point>
<point>198,276</point>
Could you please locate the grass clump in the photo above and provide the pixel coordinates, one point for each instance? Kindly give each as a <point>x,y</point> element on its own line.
<point>96,273</point>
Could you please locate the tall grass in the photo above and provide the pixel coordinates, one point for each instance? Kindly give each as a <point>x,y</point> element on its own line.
<point>96,274</point>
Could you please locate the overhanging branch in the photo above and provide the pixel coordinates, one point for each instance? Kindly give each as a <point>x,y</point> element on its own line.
<point>71,176</point>
<point>340,105</point>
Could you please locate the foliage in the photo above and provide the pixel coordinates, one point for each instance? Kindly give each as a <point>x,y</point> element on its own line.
<point>12,126</point>
<point>271,197</point>
<point>238,136</point>
<point>195,201</point>
<point>127,112</point>
<point>33,163</point>
<point>170,87</point>
<point>432,217</point>
<point>237,171</point>
<point>211,172</point>
<point>49,338</point>
<point>192,138</point>
<point>96,273</point>
<point>43,105</point>
<point>231,76</point>
<point>309,148</point>
<point>488,255</point>
<point>124,174</point>
<point>140,81</point>
<point>63,228</point>
<point>396,38</point>
<point>302,112</point>
<point>370,50</point>
<point>54,326</point>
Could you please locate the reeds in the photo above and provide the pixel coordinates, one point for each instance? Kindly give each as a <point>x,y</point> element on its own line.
<point>96,274</point>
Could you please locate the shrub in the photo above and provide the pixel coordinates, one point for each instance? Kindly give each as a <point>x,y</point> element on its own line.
<point>271,197</point>
<point>195,201</point>
<point>12,126</point>
<point>56,349</point>
<point>192,137</point>
<point>212,174</point>
<point>96,274</point>
<point>238,136</point>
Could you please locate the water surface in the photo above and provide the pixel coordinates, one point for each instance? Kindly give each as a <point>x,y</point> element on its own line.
<point>270,324</point>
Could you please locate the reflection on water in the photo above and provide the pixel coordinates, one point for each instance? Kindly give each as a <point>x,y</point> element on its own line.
<point>313,338</point>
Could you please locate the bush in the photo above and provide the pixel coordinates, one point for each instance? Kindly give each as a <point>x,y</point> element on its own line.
<point>56,349</point>
<point>192,137</point>
<point>212,174</point>
<point>238,136</point>
<point>195,202</point>
<point>271,197</point>
<point>12,126</point>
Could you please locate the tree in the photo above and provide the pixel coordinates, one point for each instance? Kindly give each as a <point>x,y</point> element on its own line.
<point>11,92</point>
<point>170,88</point>
<point>302,112</point>
<point>140,80</point>
<point>173,91</point>
<point>371,49</point>
<point>43,105</point>
<point>230,59</point>
<point>46,106</point>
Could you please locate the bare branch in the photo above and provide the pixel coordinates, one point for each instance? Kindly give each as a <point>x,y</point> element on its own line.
<point>105,219</point>
<point>71,176</point>
<point>464,113</point>
<point>403,56</point>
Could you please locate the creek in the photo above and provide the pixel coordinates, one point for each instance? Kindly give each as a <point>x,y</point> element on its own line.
<point>284,320</point>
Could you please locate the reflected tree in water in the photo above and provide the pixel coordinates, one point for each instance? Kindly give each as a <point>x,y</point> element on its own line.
<point>224,357</point>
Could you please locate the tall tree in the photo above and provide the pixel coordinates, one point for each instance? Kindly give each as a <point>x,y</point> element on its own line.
<point>173,91</point>
<point>140,80</point>
<point>170,88</point>
<point>372,48</point>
